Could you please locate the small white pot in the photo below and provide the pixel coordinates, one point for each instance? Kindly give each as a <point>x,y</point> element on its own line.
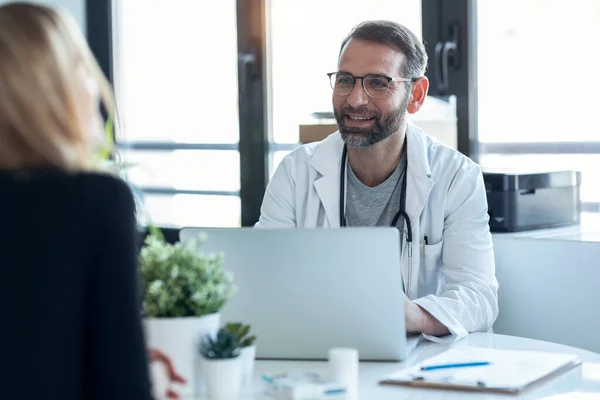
<point>179,339</point>
<point>248,355</point>
<point>223,378</point>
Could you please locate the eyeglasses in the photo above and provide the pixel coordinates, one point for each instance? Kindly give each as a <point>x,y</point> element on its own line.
<point>375,85</point>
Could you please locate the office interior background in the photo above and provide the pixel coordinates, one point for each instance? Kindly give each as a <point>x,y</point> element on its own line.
<point>212,95</point>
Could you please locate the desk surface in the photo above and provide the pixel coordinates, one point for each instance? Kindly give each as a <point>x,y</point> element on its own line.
<point>587,231</point>
<point>585,378</point>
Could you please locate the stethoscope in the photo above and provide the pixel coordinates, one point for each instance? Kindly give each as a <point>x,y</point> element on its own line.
<point>402,206</point>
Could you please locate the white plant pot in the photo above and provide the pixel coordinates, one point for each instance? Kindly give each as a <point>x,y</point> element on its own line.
<point>179,339</point>
<point>248,355</point>
<point>223,378</point>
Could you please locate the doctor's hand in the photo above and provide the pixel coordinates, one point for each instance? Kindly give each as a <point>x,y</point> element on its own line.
<point>418,320</point>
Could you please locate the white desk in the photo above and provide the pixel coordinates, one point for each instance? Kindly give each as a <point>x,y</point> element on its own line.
<point>585,378</point>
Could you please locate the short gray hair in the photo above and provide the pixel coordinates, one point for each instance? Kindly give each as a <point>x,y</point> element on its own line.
<point>395,35</point>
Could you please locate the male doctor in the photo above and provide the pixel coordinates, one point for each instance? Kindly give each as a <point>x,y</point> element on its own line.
<point>377,170</point>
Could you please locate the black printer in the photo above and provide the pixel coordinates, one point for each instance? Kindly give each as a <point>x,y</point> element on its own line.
<point>519,201</point>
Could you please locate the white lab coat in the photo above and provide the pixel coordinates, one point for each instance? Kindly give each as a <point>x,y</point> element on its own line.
<point>454,277</point>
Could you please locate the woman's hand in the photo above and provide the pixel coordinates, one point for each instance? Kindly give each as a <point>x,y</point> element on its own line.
<point>173,377</point>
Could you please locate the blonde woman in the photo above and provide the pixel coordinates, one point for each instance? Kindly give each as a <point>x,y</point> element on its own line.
<point>71,326</point>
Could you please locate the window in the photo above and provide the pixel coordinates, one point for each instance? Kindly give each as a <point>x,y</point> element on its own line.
<point>177,91</point>
<point>189,104</point>
<point>181,132</point>
<point>537,105</point>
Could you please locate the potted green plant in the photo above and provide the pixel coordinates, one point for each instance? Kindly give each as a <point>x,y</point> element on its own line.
<point>184,290</point>
<point>222,365</point>
<point>248,349</point>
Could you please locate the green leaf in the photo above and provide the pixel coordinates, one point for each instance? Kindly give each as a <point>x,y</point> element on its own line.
<point>224,345</point>
<point>192,283</point>
<point>109,130</point>
<point>248,341</point>
<point>157,233</point>
<point>244,331</point>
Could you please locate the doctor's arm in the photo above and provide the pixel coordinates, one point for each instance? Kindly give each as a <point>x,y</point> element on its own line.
<point>418,320</point>
<point>468,300</point>
<point>278,206</point>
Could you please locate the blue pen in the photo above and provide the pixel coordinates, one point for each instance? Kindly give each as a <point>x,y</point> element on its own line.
<point>457,365</point>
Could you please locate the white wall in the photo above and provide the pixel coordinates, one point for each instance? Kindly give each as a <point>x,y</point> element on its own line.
<point>75,7</point>
<point>549,289</point>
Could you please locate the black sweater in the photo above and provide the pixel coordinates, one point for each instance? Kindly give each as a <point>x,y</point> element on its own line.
<point>70,324</point>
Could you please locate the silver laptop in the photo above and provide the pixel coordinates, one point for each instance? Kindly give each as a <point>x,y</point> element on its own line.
<point>307,290</point>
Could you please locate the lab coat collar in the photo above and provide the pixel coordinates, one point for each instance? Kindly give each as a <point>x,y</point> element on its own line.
<point>327,161</point>
<point>419,182</point>
<point>327,158</point>
<point>418,157</point>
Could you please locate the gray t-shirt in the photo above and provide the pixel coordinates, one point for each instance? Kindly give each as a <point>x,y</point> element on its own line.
<point>374,206</point>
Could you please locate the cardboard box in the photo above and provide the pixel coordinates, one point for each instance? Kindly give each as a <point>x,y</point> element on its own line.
<point>314,132</point>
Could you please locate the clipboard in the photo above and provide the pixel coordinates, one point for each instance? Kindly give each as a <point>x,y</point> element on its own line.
<point>509,371</point>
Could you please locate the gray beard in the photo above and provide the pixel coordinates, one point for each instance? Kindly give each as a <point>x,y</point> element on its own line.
<point>384,127</point>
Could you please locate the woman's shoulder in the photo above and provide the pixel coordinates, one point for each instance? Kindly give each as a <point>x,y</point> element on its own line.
<point>104,183</point>
<point>107,200</point>
<point>105,190</point>
<point>91,185</point>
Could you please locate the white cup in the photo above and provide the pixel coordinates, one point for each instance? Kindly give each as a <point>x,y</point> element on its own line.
<point>343,365</point>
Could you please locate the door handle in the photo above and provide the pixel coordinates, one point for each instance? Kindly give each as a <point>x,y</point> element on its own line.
<point>246,59</point>
<point>446,56</point>
<point>246,65</point>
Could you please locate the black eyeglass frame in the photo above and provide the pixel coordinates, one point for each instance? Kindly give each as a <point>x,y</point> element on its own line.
<point>362,78</point>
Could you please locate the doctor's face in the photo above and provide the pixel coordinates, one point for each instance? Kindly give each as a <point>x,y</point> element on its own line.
<point>364,120</point>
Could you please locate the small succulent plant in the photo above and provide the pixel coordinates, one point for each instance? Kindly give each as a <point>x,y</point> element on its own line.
<point>222,346</point>
<point>241,332</point>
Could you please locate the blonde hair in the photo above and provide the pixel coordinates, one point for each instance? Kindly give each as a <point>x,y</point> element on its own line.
<point>42,119</point>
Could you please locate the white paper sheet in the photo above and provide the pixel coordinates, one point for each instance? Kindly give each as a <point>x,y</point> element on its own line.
<point>508,369</point>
